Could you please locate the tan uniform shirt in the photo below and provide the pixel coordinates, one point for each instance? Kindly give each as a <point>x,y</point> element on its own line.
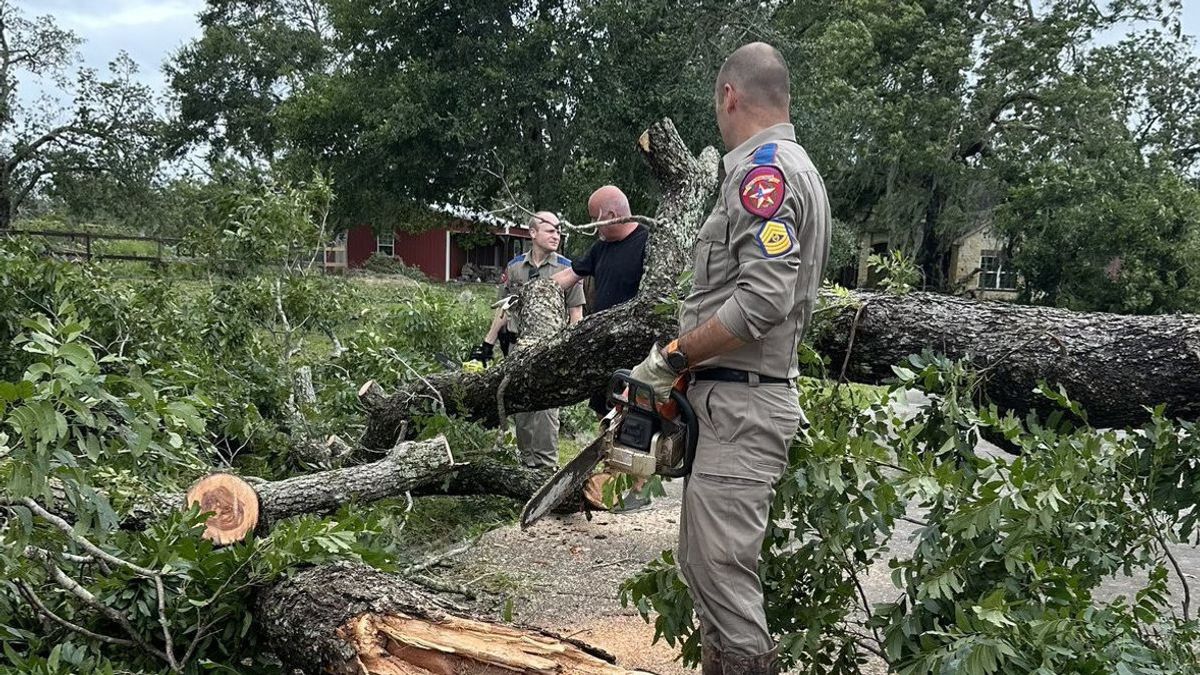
<point>521,270</point>
<point>761,253</point>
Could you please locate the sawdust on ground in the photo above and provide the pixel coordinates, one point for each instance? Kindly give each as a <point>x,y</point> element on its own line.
<point>564,574</point>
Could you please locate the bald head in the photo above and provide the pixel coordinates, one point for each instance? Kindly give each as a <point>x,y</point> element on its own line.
<point>542,218</point>
<point>607,203</point>
<point>759,74</point>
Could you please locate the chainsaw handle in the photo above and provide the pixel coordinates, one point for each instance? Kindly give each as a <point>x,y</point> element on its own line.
<point>688,415</point>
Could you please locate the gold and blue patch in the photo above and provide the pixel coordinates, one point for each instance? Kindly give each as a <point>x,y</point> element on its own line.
<point>774,238</point>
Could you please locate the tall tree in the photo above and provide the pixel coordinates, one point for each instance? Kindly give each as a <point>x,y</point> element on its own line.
<point>107,129</point>
<point>230,83</point>
<point>925,114</point>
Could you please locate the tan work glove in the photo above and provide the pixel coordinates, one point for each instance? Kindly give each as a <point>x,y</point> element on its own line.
<point>655,372</point>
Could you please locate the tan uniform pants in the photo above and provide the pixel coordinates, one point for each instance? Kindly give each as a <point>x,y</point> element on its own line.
<point>745,432</point>
<point>537,438</point>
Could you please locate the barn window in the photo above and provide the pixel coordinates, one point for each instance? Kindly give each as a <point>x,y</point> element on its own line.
<point>385,244</point>
<point>996,271</point>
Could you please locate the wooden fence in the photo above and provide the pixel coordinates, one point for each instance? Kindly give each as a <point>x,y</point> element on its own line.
<point>86,246</point>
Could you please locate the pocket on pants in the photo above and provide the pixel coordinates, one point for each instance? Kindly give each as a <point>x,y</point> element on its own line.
<point>726,406</point>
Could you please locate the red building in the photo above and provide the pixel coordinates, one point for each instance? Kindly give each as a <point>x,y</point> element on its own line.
<point>441,252</point>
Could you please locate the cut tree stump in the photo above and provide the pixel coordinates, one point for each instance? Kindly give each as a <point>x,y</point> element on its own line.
<point>407,466</point>
<point>350,618</point>
<point>232,501</point>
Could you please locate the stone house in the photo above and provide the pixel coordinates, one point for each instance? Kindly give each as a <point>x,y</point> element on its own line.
<point>979,267</point>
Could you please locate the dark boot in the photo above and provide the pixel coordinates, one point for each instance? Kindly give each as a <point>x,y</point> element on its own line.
<point>762,664</point>
<point>710,662</point>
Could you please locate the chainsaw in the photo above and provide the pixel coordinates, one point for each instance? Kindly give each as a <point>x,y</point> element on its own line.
<point>639,436</point>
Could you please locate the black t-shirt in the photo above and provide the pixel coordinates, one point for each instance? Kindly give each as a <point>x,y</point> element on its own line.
<point>617,266</point>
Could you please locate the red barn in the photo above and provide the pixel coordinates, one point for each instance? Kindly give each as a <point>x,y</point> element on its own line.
<point>441,252</point>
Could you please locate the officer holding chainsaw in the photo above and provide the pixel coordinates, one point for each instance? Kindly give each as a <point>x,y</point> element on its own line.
<point>759,260</point>
<point>537,431</point>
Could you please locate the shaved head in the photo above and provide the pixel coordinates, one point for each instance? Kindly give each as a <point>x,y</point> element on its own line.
<point>759,74</point>
<point>608,202</point>
<point>541,217</point>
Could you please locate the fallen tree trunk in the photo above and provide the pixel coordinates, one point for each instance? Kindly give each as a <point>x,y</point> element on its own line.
<point>1113,365</point>
<point>240,507</point>
<point>556,373</point>
<point>349,618</point>
<point>487,477</point>
<point>578,362</point>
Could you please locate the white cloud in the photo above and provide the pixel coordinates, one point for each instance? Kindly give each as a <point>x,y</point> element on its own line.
<point>84,17</point>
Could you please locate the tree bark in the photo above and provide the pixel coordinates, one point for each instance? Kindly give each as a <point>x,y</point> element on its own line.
<point>577,362</point>
<point>349,618</point>
<point>406,467</point>
<point>558,372</point>
<point>1113,365</point>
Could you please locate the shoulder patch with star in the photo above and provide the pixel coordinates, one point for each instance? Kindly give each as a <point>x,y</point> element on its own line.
<point>762,191</point>
<point>774,238</point>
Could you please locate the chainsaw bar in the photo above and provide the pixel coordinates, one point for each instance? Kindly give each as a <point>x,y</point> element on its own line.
<point>562,484</point>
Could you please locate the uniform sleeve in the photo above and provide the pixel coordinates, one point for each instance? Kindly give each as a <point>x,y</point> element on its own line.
<point>586,266</point>
<point>575,296</point>
<point>767,256</point>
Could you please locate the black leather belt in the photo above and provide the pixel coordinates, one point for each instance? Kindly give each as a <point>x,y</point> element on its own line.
<point>735,375</point>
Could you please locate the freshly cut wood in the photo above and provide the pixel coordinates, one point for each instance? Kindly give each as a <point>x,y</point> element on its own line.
<point>1115,366</point>
<point>349,618</point>
<point>232,501</point>
<point>240,507</point>
<point>577,362</point>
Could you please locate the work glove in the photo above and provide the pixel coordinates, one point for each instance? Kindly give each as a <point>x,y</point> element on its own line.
<point>483,353</point>
<point>655,372</point>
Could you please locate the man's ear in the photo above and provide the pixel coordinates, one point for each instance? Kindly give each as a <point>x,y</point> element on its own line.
<point>729,97</point>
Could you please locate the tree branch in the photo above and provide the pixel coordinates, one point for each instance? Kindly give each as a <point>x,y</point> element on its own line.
<point>34,601</point>
<point>25,151</point>
<point>74,588</point>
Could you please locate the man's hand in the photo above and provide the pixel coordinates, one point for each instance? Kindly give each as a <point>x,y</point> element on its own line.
<point>655,372</point>
<point>483,353</point>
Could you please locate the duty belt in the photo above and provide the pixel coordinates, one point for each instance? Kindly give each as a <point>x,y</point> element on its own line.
<point>735,375</point>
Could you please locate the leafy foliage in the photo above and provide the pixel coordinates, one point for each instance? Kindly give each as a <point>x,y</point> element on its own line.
<point>117,393</point>
<point>1003,569</point>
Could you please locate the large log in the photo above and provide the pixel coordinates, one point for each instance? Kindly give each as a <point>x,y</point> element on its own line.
<point>1114,365</point>
<point>578,362</point>
<point>558,372</point>
<point>349,618</point>
<point>240,507</point>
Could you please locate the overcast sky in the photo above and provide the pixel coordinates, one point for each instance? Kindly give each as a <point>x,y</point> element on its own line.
<point>150,30</point>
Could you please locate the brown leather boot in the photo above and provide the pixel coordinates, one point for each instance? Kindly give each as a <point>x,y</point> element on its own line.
<point>710,662</point>
<point>762,664</point>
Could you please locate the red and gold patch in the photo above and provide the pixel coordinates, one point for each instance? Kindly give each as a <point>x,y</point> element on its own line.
<point>762,191</point>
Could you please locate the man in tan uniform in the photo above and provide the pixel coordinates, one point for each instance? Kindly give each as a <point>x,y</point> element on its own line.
<point>537,431</point>
<point>759,260</point>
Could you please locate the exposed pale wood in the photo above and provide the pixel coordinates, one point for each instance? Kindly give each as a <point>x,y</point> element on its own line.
<point>348,618</point>
<point>234,505</point>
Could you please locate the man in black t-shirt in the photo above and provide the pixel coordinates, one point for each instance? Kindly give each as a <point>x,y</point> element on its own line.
<point>616,262</point>
<point>616,259</point>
